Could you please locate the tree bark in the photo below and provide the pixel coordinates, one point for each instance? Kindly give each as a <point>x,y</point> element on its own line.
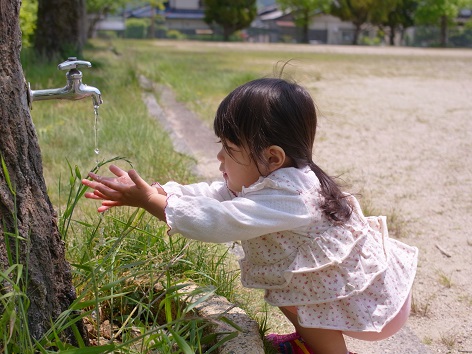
<point>391,35</point>
<point>357,33</point>
<point>28,210</point>
<point>60,29</point>
<point>443,34</point>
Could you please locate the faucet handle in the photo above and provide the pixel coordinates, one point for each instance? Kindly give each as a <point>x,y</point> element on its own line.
<point>73,63</point>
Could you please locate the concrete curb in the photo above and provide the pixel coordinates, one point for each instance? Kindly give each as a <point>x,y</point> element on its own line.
<point>248,340</point>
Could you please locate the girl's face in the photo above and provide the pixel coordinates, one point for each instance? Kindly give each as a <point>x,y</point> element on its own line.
<point>239,170</point>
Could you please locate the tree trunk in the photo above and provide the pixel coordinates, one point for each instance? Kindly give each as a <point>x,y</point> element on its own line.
<point>305,30</point>
<point>94,19</point>
<point>227,31</point>
<point>60,29</point>
<point>92,24</point>
<point>357,33</point>
<point>27,210</point>
<point>391,35</point>
<point>306,27</point>
<point>443,35</point>
<point>152,25</point>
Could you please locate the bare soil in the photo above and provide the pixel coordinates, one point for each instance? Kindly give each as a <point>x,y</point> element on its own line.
<point>404,141</point>
<point>401,137</point>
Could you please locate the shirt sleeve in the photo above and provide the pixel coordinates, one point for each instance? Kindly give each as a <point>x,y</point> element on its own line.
<point>208,219</point>
<point>216,190</point>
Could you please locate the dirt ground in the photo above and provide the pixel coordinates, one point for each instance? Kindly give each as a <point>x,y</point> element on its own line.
<point>403,140</point>
<point>408,149</point>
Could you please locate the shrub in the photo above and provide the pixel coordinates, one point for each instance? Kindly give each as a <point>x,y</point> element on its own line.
<point>136,28</point>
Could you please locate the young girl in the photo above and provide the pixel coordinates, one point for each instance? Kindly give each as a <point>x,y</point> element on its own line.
<point>330,270</point>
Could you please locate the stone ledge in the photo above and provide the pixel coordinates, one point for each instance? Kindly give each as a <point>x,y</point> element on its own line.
<point>248,341</point>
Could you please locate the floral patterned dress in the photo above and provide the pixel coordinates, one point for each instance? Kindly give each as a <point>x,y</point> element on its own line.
<point>349,277</point>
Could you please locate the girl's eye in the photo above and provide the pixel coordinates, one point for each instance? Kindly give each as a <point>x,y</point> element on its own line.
<point>232,149</point>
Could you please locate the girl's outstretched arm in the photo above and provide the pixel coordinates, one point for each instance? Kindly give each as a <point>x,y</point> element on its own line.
<point>127,188</point>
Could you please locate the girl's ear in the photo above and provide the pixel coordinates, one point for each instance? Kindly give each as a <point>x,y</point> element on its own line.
<point>276,158</point>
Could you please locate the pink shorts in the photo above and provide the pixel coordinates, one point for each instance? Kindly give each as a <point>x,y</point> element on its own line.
<point>389,330</point>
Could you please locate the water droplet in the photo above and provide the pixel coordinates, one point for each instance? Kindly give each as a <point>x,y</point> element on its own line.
<point>97,151</point>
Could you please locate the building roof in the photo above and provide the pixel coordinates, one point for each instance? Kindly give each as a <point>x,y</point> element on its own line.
<point>170,13</point>
<point>184,14</point>
<point>465,13</point>
<point>110,24</point>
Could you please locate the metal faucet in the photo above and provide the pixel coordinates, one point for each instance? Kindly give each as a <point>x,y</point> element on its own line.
<point>74,90</point>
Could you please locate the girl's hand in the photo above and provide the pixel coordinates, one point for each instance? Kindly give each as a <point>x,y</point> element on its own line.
<point>127,188</point>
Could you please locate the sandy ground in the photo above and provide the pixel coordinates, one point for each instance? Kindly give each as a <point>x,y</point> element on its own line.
<point>403,141</point>
<point>408,149</point>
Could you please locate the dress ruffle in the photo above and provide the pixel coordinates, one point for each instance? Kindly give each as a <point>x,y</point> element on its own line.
<point>374,307</point>
<point>336,263</point>
<point>351,277</point>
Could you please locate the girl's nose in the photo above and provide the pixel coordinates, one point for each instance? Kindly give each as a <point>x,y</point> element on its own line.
<point>219,155</point>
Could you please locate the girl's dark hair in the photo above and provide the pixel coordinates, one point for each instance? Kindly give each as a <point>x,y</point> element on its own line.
<point>272,111</point>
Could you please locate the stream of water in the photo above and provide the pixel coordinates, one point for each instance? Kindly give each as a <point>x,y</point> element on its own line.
<point>95,126</point>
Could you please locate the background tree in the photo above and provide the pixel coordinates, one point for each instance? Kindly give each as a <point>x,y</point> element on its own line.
<point>440,13</point>
<point>60,28</point>
<point>155,5</point>
<point>29,236</point>
<point>28,11</point>
<point>98,9</point>
<point>400,18</point>
<point>303,12</point>
<point>360,12</point>
<point>231,15</point>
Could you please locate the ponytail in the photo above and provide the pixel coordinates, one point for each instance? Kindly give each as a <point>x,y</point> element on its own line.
<point>335,205</point>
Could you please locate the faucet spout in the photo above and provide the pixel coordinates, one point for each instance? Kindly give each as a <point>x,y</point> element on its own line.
<point>89,91</point>
<point>74,89</point>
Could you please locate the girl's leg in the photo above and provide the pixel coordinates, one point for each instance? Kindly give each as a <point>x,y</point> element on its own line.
<point>320,341</point>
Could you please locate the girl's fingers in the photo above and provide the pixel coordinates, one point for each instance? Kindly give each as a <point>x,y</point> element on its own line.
<point>111,203</point>
<point>92,195</point>
<point>89,183</point>
<point>102,208</point>
<point>107,204</point>
<point>117,171</point>
<point>105,184</point>
<point>99,195</point>
<point>136,178</point>
<point>100,190</point>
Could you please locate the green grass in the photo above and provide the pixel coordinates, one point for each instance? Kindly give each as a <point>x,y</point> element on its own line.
<point>130,279</point>
<point>128,274</point>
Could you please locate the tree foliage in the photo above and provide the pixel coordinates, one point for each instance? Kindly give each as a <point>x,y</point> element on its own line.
<point>430,12</point>
<point>440,13</point>
<point>28,15</point>
<point>231,15</point>
<point>303,12</point>
<point>360,12</point>
<point>400,18</point>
